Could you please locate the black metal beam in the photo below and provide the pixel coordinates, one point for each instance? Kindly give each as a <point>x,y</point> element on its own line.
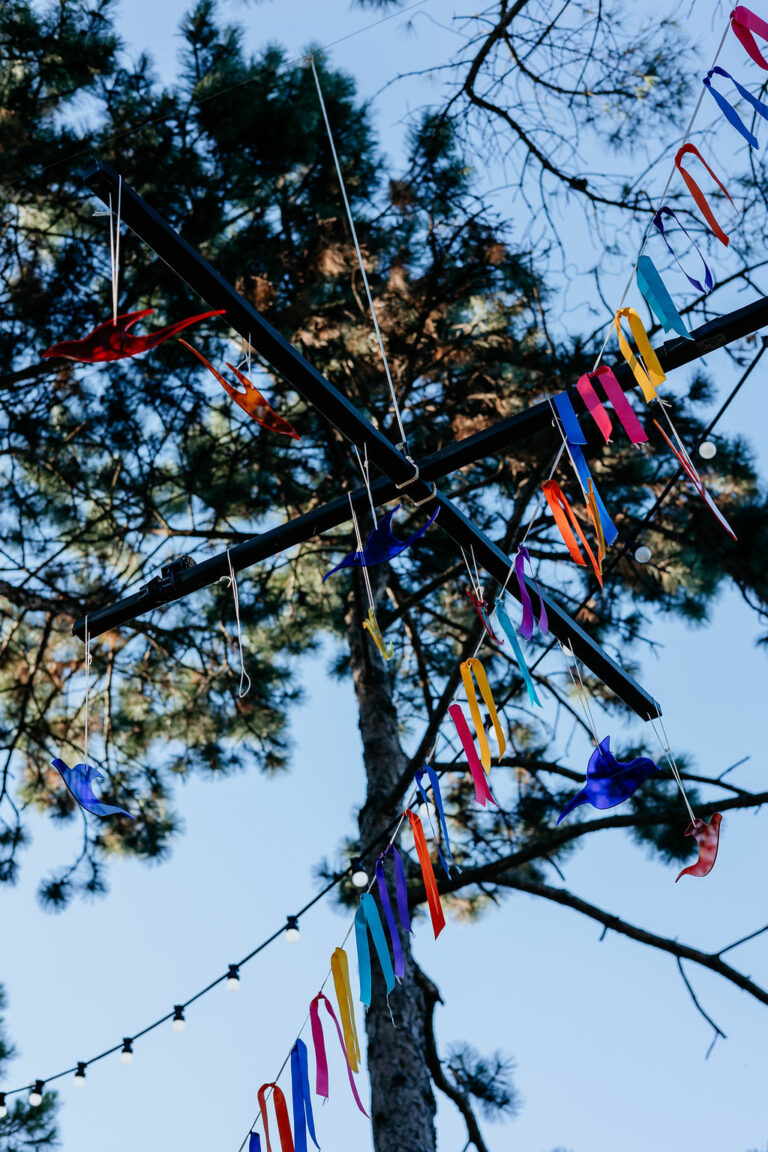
<point>340,412</point>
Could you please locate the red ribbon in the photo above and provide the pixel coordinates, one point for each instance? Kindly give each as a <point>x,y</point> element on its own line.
<point>427,873</point>
<point>281,1111</point>
<point>564,518</point>
<point>686,464</point>
<point>482,792</point>
<point>697,193</point>
<point>321,1060</point>
<point>621,405</point>
<point>744,22</point>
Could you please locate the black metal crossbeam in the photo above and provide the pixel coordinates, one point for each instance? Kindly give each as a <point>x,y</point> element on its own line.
<point>336,408</point>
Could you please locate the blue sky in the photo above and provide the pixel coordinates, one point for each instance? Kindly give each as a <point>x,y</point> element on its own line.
<point>610,1050</point>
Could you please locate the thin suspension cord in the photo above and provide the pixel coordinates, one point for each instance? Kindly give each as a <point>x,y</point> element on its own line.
<point>88,659</point>
<point>363,272</point>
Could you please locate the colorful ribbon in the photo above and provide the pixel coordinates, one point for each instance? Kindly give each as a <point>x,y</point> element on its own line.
<point>254,1142</point>
<point>526,626</point>
<point>696,192</point>
<point>729,112</point>
<point>386,903</point>
<point>432,776</point>
<point>467,668</point>
<point>367,919</point>
<point>649,372</point>
<point>709,280</point>
<point>564,518</point>
<point>428,873</point>
<point>509,632</point>
<point>340,973</point>
<point>609,529</point>
<point>658,299</point>
<point>615,394</point>
<point>688,467</point>
<point>568,418</point>
<point>482,792</point>
<point>594,516</point>
<point>281,1112</point>
<point>744,23</point>
<point>301,1097</point>
<point>321,1061</point>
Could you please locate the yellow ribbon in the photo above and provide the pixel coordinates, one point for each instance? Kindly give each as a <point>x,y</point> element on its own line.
<point>596,521</point>
<point>340,970</point>
<point>466,669</point>
<point>650,373</point>
<point>372,625</point>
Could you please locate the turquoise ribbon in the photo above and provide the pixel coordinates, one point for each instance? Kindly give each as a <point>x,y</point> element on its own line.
<point>510,634</point>
<point>658,299</point>
<point>367,919</point>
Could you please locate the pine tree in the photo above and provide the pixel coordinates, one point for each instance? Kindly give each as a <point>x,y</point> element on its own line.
<point>106,470</point>
<point>24,1125</point>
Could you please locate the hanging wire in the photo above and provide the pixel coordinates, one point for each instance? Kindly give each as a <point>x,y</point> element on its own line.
<point>374,317</point>
<point>232,581</point>
<point>114,245</point>
<point>88,660</point>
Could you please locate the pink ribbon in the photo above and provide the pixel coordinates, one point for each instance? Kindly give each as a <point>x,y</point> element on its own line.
<point>482,792</point>
<point>321,1082</point>
<point>744,23</point>
<point>621,405</point>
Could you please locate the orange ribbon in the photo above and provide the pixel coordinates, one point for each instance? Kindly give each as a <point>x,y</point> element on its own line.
<point>697,193</point>
<point>281,1111</point>
<point>563,513</point>
<point>428,874</point>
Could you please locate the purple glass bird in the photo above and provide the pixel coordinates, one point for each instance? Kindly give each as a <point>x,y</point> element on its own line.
<point>381,545</point>
<point>610,781</point>
<point>79,781</point>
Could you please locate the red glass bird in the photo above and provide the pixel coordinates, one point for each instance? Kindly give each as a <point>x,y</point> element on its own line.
<point>708,838</point>
<point>251,401</point>
<point>112,340</point>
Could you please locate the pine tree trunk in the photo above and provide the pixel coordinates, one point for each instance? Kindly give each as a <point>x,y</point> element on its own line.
<point>402,1100</point>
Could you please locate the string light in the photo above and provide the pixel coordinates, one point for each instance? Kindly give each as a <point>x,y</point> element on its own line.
<point>178,1024</point>
<point>359,874</point>
<point>3,1106</point>
<point>292,929</point>
<point>80,1074</point>
<point>643,554</point>
<point>36,1095</point>
<point>126,1054</point>
<point>233,977</point>
<point>707,450</point>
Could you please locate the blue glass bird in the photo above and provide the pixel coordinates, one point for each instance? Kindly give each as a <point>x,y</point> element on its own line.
<point>610,781</point>
<point>79,780</point>
<point>381,545</point>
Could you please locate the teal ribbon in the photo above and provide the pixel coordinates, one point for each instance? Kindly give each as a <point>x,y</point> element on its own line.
<point>367,920</point>
<point>511,635</point>
<point>658,299</point>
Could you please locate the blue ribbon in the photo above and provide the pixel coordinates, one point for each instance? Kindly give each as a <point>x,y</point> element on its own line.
<point>434,781</point>
<point>302,1100</point>
<point>610,531</point>
<point>658,299</point>
<point>367,919</point>
<point>709,280</point>
<point>254,1144</point>
<point>568,418</point>
<point>729,112</point>
<point>511,635</point>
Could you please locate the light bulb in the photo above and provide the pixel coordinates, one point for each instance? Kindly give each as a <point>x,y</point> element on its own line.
<point>80,1074</point>
<point>3,1106</point>
<point>127,1053</point>
<point>36,1095</point>
<point>643,554</point>
<point>707,450</point>
<point>233,977</point>
<point>292,929</point>
<point>359,874</point>
<point>178,1024</point>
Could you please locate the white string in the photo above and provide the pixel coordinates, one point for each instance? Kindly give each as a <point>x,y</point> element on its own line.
<point>581,692</point>
<point>114,245</point>
<point>88,659</point>
<point>646,234</point>
<point>363,566</point>
<point>233,584</point>
<point>366,478</point>
<point>664,745</point>
<point>359,257</point>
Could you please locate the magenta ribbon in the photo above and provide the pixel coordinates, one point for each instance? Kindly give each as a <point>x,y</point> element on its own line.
<point>526,627</point>
<point>402,905</point>
<point>744,23</point>
<point>321,1060</point>
<point>482,792</point>
<point>621,405</point>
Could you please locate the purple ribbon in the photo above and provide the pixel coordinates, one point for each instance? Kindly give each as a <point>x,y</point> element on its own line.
<point>709,280</point>
<point>402,905</point>
<point>526,627</point>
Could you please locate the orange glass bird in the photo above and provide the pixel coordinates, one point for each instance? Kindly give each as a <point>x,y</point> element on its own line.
<point>251,401</point>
